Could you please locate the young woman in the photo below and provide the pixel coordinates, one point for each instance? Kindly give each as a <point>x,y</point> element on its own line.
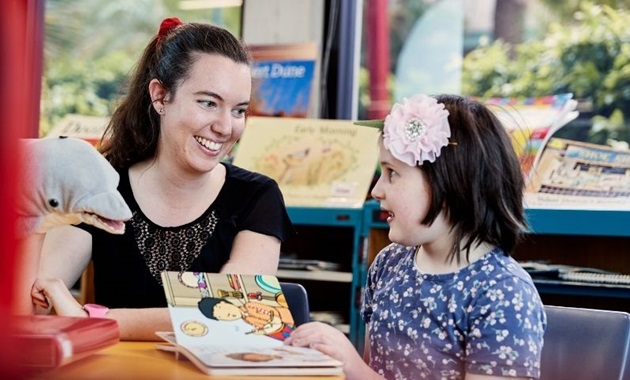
<point>445,300</point>
<point>184,110</point>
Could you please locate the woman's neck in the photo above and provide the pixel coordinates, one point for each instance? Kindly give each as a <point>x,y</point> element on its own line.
<point>169,197</point>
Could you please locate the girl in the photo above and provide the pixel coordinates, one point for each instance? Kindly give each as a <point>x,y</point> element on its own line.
<point>445,300</point>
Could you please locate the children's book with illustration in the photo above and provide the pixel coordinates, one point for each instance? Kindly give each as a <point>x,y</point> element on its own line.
<point>229,324</point>
<point>316,162</point>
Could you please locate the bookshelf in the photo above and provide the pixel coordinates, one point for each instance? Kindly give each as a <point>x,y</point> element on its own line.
<point>334,235</point>
<point>547,221</point>
<point>583,238</point>
<point>352,237</point>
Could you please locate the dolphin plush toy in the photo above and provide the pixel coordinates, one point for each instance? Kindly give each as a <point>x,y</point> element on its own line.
<point>67,181</point>
<point>63,181</point>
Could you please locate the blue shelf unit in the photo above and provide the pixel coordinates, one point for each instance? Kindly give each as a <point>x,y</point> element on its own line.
<point>579,222</point>
<point>564,224</point>
<point>339,217</point>
<point>604,223</point>
<point>545,221</point>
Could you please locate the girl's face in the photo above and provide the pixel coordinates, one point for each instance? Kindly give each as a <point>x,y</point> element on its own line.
<point>201,123</point>
<point>404,192</point>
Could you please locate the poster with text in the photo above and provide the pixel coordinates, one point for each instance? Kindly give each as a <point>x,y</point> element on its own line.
<point>284,78</point>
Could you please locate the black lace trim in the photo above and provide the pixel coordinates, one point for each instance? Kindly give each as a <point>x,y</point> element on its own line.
<point>173,248</point>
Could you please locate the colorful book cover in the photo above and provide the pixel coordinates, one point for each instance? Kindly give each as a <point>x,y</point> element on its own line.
<point>236,324</point>
<point>531,122</point>
<point>283,80</point>
<point>578,175</point>
<point>316,162</point>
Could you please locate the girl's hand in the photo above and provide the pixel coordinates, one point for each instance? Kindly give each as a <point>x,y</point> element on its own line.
<point>334,343</point>
<point>53,293</point>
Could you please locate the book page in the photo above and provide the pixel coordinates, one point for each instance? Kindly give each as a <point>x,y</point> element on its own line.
<point>211,308</point>
<point>316,162</point>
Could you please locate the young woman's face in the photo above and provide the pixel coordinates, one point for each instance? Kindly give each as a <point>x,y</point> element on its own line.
<point>404,192</point>
<point>201,123</point>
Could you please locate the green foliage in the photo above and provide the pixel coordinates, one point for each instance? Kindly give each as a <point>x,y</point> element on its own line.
<point>589,57</point>
<point>91,45</point>
<point>74,86</point>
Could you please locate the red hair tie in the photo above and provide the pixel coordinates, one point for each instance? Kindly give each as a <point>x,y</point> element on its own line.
<point>166,26</point>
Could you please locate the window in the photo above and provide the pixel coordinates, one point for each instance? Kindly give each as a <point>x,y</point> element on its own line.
<point>87,55</point>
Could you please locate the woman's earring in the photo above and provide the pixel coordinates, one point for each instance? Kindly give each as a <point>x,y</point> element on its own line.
<point>161,110</point>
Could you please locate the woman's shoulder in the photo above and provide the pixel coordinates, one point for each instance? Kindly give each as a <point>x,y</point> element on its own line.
<point>124,185</point>
<point>238,174</point>
<point>243,186</point>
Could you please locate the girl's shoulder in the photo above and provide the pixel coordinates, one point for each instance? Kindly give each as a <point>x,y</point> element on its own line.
<point>496,269</point>
<point>393,253</point>
<point>508,264</point>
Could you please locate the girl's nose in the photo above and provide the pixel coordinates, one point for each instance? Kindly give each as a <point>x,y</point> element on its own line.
<point>377,191</point>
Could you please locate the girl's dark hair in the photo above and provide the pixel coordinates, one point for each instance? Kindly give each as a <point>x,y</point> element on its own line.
<point>477,180</point>
<point>134,129</point>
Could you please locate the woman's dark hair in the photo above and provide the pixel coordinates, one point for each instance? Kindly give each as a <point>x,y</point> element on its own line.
<point>134,129</point>
<point>477,180</point>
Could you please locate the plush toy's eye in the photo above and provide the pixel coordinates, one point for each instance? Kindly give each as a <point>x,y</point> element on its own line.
<point>53,202</point>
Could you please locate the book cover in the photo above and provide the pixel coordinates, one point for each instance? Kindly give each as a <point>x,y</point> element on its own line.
<point>230,324</point>
<point>89,128</point>
<point>283,80</point>
<point>48,341</point>
<point>579,175</point>
<point>316,162</point>
<point>531,122</point>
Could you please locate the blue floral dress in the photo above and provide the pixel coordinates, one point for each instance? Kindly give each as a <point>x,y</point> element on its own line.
<point>486,318</point>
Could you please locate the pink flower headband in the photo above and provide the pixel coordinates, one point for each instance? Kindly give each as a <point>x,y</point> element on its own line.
<point>416,130</point>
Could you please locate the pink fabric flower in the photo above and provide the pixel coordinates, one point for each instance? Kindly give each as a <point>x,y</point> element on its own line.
<point>416,130</point>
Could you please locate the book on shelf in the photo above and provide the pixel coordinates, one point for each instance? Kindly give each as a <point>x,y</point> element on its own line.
<point>48,341</point>
<point>316,162</point>
<point>579,175</point>
<point>284,80</point>
<point>531,122</point>
<point>89,128</point>
<point>230,324</point>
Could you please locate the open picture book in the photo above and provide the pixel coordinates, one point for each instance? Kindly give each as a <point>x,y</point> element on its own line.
<point>235,325</point>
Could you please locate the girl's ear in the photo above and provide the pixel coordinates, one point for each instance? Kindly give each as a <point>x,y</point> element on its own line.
<point>158,95</point>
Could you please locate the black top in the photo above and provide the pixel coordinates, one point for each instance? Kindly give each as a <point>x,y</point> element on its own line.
<point>127,267</point>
